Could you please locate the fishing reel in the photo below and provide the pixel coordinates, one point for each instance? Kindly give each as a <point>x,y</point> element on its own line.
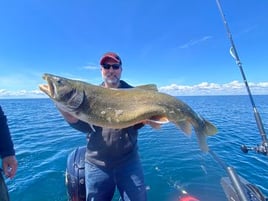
<point>260,149</point>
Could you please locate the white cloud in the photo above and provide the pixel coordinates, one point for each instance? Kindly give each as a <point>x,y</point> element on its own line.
<point>21,94</point>
<point>91,67</point>
<point>204,88</point>
<point>195,42</point>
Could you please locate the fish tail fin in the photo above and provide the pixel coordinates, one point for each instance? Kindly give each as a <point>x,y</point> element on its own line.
<point>207,129</point>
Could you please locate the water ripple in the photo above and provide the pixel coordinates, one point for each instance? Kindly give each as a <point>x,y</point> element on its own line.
<point>172,161</point>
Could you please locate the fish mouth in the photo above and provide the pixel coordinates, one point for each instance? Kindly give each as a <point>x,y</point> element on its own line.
<point>48,88</point>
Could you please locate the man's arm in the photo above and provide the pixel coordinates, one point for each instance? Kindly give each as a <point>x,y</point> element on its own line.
<point>68,117</point>
<point>6,144</point>
<point>75,123</point>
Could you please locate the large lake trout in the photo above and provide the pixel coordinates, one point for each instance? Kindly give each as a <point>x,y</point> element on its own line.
<point>121,108</point>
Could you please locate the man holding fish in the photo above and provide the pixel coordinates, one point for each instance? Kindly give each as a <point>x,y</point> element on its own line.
<point>112,114</point>
<point>112,158</point>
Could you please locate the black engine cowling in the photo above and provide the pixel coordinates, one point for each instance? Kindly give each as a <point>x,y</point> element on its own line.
<point>75,175</point>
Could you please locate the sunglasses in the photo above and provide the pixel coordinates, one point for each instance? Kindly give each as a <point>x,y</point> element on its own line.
<point>108,66</point>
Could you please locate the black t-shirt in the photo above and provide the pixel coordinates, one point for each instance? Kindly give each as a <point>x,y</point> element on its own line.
<point>110,147</point>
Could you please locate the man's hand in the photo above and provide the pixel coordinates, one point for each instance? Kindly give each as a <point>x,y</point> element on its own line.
<point>10,165</point>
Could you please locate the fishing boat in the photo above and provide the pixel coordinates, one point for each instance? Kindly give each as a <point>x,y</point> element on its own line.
<point>235,187</point>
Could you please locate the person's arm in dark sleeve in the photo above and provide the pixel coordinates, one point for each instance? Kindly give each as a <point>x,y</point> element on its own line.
<point>138,126</point>
<point>75,123</point>
<point>7,152</point>
<point>81,126</point>
<point>6,144</point>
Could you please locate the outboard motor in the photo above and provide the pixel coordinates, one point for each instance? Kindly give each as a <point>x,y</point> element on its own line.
<point>75,175</point>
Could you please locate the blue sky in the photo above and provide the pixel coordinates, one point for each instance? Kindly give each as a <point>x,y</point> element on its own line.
<point>179,45</point>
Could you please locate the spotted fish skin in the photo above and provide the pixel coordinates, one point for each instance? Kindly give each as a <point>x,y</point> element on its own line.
<point>121,108</point>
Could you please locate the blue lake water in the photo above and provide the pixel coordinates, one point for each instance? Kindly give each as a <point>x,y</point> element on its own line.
<point>171,160</point>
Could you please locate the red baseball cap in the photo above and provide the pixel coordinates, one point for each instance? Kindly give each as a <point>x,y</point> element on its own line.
<point>110,55</point>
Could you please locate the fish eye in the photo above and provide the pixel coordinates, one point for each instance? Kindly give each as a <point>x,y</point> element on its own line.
<point>60,81</point>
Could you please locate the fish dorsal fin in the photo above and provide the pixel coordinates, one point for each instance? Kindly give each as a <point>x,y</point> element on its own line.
<point>152,87</point>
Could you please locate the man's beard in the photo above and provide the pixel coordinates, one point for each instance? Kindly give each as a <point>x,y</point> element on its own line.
<point>111,79</point>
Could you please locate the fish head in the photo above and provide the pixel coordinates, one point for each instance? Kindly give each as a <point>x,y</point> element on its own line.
<point>63,91</point>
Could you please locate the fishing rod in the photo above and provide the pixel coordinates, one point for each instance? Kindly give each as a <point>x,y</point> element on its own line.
<point>263,147</point>
<point>235,187</point>
<point>233,177</point>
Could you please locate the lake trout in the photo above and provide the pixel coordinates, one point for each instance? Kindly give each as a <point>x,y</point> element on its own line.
<point>121,108</point>
<point>3,188</point>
